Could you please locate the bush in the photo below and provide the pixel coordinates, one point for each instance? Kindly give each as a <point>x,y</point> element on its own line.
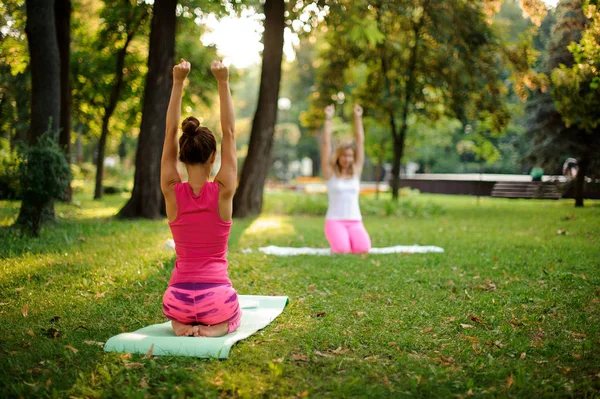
<point>45,176</point>
<point>316,205</point>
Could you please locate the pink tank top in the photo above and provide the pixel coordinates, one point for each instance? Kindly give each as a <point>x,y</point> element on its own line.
<point>200,236</point>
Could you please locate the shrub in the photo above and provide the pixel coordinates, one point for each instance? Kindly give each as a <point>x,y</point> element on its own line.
<point>9,172</point>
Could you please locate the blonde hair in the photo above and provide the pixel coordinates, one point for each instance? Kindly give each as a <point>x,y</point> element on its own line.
<point>335,159</point>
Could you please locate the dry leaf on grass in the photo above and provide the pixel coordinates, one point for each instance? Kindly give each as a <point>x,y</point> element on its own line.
<point>69,347</point>
<point>359,313</point>
<point>25,310</point>
<point>466,325</point>
<point>148,355</point>
<point>319,353</point>
<point>578,335</point>
<point>134,365</point>
<point>144,384</point>
<point>509,381</point>
<point>522,357</point>
<point>100,295</point>
<point>30,332</point>
<point>300,357</point>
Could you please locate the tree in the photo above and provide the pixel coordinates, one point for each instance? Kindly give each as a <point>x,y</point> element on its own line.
<point>248,197</point>
<point>122,22</point>
<point>45,89</point>
<point>146,199</point>
<point>419,60</point>
<point>62,14</point>
<point>558,136</point>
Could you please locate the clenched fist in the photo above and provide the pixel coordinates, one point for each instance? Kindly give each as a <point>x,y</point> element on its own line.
<point>181,70</point>
<point>220,71</point>
<point>329,111</point>
<point>358,110</point>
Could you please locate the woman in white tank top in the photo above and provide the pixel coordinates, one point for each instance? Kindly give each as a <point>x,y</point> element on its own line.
<point>342,169</point>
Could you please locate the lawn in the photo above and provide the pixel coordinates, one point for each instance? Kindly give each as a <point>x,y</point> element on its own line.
<point>512,308</point>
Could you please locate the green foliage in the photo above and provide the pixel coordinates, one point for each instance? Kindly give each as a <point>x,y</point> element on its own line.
<point>576,88</point>
<point>296,205</point>
<point>44,172</point>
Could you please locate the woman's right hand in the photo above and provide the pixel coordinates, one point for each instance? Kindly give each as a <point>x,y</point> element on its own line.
<point>329,111</point>
<point>181,70</point>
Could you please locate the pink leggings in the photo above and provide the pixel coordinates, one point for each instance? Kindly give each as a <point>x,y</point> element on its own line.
<point>202,303</point>
<point>347,236</point>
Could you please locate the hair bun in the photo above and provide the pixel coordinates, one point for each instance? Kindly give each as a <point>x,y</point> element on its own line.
<point>190,126</point>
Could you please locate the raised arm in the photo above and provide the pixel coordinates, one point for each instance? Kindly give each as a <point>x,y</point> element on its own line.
<point>168,164</point>
<point>359,137</point>
<point>326,142</point>
<point>227,175</point>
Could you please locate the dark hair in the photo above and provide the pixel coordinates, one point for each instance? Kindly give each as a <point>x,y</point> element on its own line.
<point>197,143</point>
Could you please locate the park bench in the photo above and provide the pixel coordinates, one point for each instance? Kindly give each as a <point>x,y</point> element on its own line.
<point>536,189</point>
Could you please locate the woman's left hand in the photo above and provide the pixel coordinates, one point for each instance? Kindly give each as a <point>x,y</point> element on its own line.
<point>358,110</point>
<point>181,70</point>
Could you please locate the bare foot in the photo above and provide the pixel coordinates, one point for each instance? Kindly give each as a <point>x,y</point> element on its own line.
<point>183,330</point>
<point>218,330</point>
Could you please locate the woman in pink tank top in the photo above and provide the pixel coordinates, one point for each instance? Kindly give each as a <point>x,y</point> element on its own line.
<point>200,300</point>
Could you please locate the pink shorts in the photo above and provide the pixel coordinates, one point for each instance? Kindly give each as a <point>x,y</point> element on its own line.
<point>202,303</point>
<point>347,236</point>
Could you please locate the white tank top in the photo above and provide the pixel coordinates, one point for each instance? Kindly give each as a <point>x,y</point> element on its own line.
<point>343,199</point>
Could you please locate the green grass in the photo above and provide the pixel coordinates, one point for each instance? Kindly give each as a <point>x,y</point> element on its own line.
<point>380,326</point>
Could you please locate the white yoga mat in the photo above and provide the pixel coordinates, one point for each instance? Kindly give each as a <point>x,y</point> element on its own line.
<point>398,249</point>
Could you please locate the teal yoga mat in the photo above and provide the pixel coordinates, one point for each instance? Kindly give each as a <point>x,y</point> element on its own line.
<point>257,312</point>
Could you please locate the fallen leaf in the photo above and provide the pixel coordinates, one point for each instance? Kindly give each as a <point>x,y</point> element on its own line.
<point>359,313</point>
<point>26,345</point>
<point>25,310</point>
<point>301,357</point>
<point>522,357</point>
<point>312,287</point>
<point>446,361</point>
<point>340,350</point>
<point>19,289</point>
<point>30,332</point>
<point>277,360</point>
<point>466,325</point>
<point>302,394</point>
<point>577,356</point>
<point>100,295</point>
<point>426,330</point>
<point>123,329</point>
<point>125,356</point>
<point>477,319</point>
<point>470,392</point>
<point>319,353</point>
<point>69,347</point>
<point>144,384</point>
<point>578,335</point>
<point>134,365</point>
<point>149,353</point>
<point>471,338</point>
<point>509,381</point>
<point>48,383</point>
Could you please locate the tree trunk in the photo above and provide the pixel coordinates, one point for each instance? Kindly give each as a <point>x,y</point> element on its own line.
<point>62,10</point>
<point>45,89</point>
<point>109,110</point>
<point>146,199</point>
<point>100,158</point>
<point>45,68</point>
<point>580,182</point>
<point>248,198</point>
